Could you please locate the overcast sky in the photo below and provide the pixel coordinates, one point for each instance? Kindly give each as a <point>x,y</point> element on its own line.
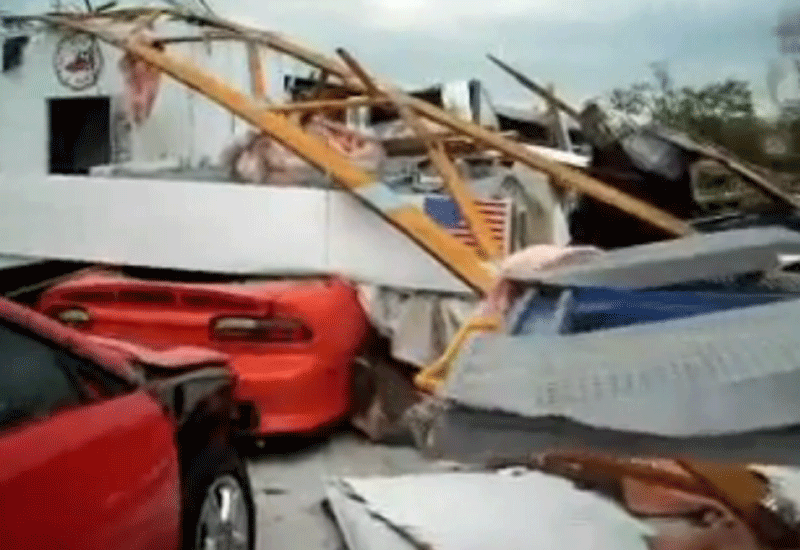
<point>584,47</point>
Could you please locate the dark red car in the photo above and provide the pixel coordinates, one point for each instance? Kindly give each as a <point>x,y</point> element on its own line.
<point>109,445</point>
<point>292,343</point>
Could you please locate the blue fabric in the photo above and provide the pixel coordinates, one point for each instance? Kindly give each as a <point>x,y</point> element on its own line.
<point>605,308</point>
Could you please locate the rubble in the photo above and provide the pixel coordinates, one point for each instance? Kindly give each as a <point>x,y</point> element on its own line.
<point>569,496</point>
<point>507,322</point>
<point>677,344</point>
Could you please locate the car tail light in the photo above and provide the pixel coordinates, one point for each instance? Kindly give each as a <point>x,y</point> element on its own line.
<point>253,329</point>
<point>74,317</point>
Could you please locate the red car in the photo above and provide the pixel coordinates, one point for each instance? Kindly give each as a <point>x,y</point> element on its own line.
<point>108,445</point>
<point>292,343</point>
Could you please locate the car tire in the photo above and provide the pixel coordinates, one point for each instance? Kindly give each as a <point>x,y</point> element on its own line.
<point>219,502</point>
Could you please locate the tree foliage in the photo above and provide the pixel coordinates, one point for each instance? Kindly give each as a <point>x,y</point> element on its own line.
<point>719,112</point>
<point>698,111</point>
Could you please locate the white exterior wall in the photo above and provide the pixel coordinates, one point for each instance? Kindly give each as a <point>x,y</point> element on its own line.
<point>183,124</point>
<point>210,227</point>
<point>176,224</point>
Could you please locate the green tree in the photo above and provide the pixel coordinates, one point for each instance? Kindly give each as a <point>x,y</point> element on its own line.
<point>718,112</point>
<point>701,112</point>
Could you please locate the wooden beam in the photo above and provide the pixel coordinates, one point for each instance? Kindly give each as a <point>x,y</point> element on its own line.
<point>405,215</point>
<point>567,177</point>
<point>454,143</point>
<point>323,104</point>
<point>563,175</point>
<point>759,181</point>
<point>455,184</point>
<point>144,22</point>
<point>257,84</point>
<point>412,146</point>
<point>786,200</point>
<point>595,128</point>
<point>358,70</point>
<point>546,94</point>
<point>236,31</point>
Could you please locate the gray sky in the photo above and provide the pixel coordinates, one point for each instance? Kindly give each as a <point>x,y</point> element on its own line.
<point>584,47</point>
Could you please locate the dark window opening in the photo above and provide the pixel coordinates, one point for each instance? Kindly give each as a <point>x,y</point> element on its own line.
<point>12,52</point>
<point>80,134</point>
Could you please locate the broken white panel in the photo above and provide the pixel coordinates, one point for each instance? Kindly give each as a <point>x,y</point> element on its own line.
<point>515,509</point>
<point>358,238</point>
<point>215,227</point>
<point>714,374</point>
<point>419,325</point>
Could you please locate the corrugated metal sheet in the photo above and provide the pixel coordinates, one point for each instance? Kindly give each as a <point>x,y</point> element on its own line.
<point>712,374</point>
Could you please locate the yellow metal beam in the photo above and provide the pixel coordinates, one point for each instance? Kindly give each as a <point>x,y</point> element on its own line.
<point>406,215</point>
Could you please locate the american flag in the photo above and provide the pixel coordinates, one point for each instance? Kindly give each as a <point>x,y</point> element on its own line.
<point>497,214</point>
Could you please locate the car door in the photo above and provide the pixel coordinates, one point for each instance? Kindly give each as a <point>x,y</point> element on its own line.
<point>86,461</point>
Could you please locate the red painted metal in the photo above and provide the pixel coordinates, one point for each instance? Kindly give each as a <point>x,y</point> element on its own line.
<point>297,387</point>
<point>95,476</point>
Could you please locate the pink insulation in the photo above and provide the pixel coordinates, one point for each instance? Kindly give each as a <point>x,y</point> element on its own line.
<point>141,83</point>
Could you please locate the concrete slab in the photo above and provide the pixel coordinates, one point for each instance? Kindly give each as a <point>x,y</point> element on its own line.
<point>288,486</point>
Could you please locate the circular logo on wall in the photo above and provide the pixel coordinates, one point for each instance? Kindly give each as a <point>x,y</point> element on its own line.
<point>78,61</point>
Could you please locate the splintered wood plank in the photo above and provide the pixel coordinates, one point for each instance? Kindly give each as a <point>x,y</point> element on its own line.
<point>257,84</point>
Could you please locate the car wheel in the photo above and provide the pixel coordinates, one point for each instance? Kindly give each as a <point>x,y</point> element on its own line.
<point>219,512</point>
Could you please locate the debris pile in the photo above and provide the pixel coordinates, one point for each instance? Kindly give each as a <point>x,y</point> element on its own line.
<point>574,499</point>
<point>535,294</point>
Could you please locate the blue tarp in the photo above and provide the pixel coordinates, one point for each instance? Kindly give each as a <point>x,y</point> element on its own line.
<point>592,309</point>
